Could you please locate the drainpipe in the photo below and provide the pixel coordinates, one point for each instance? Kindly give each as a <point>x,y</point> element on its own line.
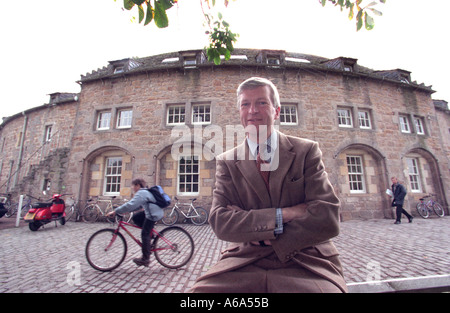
<point>22,139</point>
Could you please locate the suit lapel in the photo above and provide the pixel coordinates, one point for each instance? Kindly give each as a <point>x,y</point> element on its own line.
<point>247,166</point>
<point>280,166</point>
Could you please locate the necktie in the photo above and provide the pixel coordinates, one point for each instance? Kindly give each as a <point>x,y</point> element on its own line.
<point>264,173</point>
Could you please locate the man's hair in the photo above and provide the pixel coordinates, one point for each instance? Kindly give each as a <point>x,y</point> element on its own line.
<point>255,82</point>
<point>140,182</point>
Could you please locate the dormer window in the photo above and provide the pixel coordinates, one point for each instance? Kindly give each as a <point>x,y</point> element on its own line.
<point>119,69</point>
<point>191,59</point>
<point>273,59</point>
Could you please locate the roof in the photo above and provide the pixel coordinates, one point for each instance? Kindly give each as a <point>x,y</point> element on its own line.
<point>250,57</point>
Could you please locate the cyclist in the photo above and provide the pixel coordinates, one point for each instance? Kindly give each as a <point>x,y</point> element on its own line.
<point>145,219</point>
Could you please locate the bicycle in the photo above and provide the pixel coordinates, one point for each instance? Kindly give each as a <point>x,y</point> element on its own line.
<point>92,211</point>
<point>13,207</point>
<point>106,249</point>
<point>71,208</point>
<point>424,207</point>
<point>198,215</point>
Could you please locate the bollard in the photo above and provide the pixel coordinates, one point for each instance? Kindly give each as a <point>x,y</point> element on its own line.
<point>19,210</point>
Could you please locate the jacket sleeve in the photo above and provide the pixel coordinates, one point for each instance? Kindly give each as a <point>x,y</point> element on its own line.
<point>236,224</point>
<point>137,202</point>
<point>321,221</point>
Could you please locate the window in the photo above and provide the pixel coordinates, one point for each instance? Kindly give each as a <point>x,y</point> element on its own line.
<point>113,175</point>
<point>288,114</point>
<point>414,177</point>
<point>124,118</point>
<point>419,126</point>
<point>201,114</point>
<point>188,174</point>
<point>176,114</point>
<point>355,174</point>
<point>345,118</point>
<point>103,120</point>
<point>273,59</point>
<point>364,119</point>
<point>404,125</point>
<point>48,133</point>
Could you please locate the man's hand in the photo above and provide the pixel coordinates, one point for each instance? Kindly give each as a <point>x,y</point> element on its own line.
<point>111,214</point>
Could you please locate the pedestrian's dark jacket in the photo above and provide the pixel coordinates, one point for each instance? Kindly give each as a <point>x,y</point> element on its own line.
<point>399,194</point>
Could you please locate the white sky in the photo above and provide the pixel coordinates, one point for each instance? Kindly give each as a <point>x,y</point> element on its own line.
<point>46,45</point>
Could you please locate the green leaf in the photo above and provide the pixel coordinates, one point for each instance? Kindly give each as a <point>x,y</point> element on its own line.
<point>161,19</point>
<point>368,21</point>
<point>350,13</point>
<point>128,4</point>
<point>141,13</point>
<point>138,2</point>
<point>149,16</point>
<point>324,2</point>
<point>376,12</point>
<point>167,4</point>
<point>217,60</point>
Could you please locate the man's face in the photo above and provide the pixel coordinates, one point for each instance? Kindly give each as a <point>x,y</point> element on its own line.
<point>256,109</point>
<point>394,180</point>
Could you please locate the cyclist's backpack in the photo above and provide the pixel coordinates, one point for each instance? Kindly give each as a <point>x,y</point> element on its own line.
<point>162,199</point>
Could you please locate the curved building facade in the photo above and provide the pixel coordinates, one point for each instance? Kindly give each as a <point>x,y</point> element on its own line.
<point>165,117</point>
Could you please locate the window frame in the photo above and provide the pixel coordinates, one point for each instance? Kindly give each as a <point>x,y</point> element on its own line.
<point>204,114</point>
<point>356,174</point>
<point>120,119</point>
<point>107,175</point>
<point>182,175</point>
<point>366,119</point>
<point>405,125</point>
<point>414,176</point>
<point>183,115</point>
<point>99,123</point>
<point>285,106</point>
<point>419,124</point>
<point>48,133</point>
<point>349,117</point>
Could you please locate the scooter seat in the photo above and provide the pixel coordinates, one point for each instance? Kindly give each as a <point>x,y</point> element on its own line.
<point>41,205</point>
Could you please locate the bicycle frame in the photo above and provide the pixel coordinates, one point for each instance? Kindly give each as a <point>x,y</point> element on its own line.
<point>187,215</point>
<point>122,224</point>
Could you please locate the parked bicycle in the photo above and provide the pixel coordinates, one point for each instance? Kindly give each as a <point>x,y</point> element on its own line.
<point>93,211</point>
<point>71,208</point>
<point>427,205</point>
<point>107,248</point>
<point>13,206</point>
<point>198,215</point>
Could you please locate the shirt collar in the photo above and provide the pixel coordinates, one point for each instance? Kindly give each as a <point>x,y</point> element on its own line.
<point>272,141</point>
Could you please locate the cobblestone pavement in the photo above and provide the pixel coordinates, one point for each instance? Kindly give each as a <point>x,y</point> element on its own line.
<point>52,259</point>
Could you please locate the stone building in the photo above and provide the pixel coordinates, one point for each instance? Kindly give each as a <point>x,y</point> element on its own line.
<point>165,117</point>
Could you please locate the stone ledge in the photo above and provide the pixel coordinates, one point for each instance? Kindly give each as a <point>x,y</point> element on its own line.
<point>437,283</point>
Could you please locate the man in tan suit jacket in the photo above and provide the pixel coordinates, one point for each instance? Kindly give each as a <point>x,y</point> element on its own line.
<point>280,232</point>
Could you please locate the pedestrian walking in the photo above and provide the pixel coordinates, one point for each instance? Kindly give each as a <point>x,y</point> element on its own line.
<point>399,193</point>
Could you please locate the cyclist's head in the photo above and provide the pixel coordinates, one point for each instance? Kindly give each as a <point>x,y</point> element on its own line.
<point>139,182</point>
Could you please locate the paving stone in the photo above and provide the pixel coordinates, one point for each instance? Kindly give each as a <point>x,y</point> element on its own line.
<point>39,261</point>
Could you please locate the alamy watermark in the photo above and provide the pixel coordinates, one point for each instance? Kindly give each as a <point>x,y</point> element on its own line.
<point>209,141</point>
<point>74,276</point>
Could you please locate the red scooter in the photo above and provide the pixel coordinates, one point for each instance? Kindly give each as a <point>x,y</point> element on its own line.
<point>42,213</point>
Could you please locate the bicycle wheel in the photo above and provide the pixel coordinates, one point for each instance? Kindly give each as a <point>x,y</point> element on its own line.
<point>90,213</point>
<point>422,210</point>
<point>174,247</point>
<point>438,209</point>
<point>170,217</point>
<point>202,216</point>
<point>69,212</point>
<point>25,209</point>
<point>106,250</point>
<point>12,209</point>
